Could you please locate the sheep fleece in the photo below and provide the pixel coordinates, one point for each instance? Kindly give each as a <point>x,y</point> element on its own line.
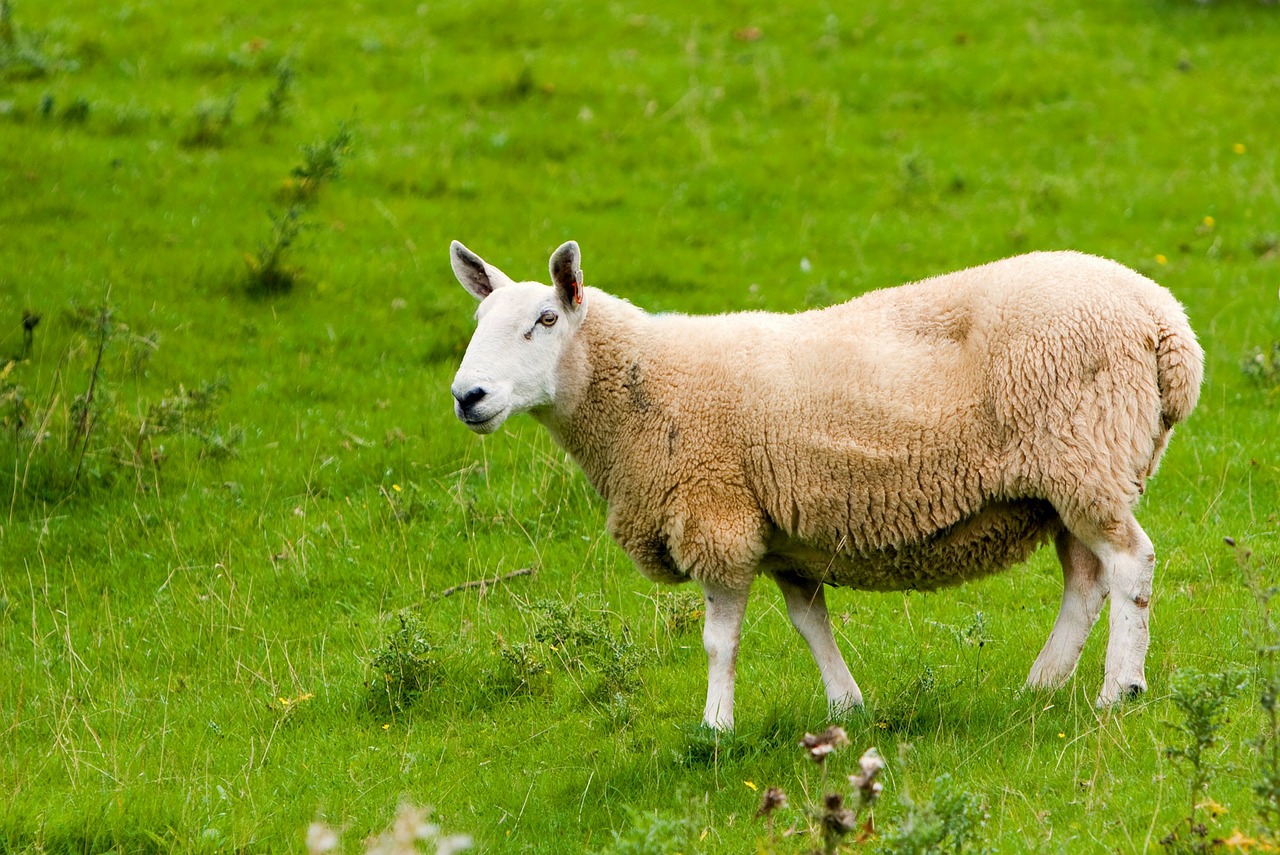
<point>913,437</point>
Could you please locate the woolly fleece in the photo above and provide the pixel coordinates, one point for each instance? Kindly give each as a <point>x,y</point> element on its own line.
<point>913,437</point>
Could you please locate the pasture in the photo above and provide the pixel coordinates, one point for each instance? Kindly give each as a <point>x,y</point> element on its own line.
<point>239,521</point>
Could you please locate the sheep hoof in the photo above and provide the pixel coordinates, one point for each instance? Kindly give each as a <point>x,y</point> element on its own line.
<point>1119,695</point>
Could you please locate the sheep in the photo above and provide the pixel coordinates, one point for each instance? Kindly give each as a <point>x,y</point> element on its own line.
<point>911,438</point>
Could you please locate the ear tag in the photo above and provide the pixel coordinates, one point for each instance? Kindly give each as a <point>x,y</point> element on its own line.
<point>577,290</point>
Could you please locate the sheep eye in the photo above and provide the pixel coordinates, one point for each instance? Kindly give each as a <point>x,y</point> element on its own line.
<point>548,318</point>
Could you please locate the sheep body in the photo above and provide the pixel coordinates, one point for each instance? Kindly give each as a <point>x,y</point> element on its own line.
<point>907,438</point>
<point>913,437</point>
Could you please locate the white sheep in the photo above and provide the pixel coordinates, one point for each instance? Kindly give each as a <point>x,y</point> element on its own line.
<point>914,437</point>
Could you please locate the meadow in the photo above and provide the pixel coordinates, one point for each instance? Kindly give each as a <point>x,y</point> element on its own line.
<point>238,519</point>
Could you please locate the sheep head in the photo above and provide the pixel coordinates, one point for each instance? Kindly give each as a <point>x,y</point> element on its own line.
<point>521,331</point>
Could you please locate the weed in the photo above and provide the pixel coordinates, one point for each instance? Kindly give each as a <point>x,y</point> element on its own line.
<point>915,705</point>
<point>97,429</point>
<point>1201,699</point>
<point>561,624</point>
<point>408,832</point>
<point>404,665</point>
<point>268,273</point>
<point>681,611</point>
<point>322,161</point>
<point>276,107</point>
<point>84,410</point>
<point>833,817</point>
<point>191,412</point>
<point>652,833</point>
<point>520,671</point>
<point>22,55</point>
<point>952,821</point>
<point>211,121</point>
<point>1266,636</point>
<point>77,112</point>
<point>1263,366</point>
<point>974,635</point>
<point>585,643</point>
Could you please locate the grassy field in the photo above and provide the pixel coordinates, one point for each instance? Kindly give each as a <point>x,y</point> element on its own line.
<point>233,490</point>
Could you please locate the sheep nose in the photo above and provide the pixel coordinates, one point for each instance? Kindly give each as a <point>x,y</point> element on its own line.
<point>470,398</point>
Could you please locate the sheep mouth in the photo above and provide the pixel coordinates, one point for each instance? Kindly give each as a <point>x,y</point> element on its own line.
<point>487,424</point>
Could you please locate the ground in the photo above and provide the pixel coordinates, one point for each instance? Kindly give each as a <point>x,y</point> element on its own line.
<point>222,493</point>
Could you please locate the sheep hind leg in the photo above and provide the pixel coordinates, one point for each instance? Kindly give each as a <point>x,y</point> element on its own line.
<point>721,633</point>
<point>1084,590</point>
<point>807,608</point>
<point>1128,561</point>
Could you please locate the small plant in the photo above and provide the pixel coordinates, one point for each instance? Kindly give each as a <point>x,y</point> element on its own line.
<point>915,704</point>
<point>279,96</point>
<point>210,122</point>
<point>404,666</point>
<point>182,413</point>
<point>22,56</point>
<point>1263,366</point>
<point>321,162</point>
<point>975,635</point>
<point>585,642</point>
<point>85,408</point>
<point>1201,699</point>
<point>952,821</point>
<point>1266,636</point>
<point>77,112</point>
<point>410,831</point>
<point>268,274</point>
<point>652,833</point>
<point>834,816</point>
<point>681,611</point>
<point>520,670</point>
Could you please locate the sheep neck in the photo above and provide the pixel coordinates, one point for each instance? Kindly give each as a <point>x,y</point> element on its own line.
<point>588,417</point>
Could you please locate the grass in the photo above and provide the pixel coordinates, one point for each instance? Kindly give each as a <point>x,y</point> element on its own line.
<point>187,627</point>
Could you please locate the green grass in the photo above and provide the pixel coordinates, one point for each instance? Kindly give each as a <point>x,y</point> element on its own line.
<point>186,629</point>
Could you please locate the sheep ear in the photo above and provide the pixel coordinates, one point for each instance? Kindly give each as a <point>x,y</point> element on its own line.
<point>478,276</point>
<point>566,273</point>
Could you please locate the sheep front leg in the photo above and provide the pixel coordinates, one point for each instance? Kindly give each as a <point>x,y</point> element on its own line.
<point>720,636</point>
<point>807,608</point>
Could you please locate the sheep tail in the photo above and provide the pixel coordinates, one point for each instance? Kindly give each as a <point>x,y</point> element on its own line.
<point>1179,372</point>
<point>1179,369</point>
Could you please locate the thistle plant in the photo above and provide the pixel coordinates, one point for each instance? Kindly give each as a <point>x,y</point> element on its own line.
<point>404,665</point>
<point>211,120</point>
<point>322,162</point>
<point>952,821</point>
<point>1263,365</point>
<point>268,274</point>
<point>279,96</point>
<point>1266,636</point>
<point>836,815</point>
<point>408,834</point>
<point>1201,699</point>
